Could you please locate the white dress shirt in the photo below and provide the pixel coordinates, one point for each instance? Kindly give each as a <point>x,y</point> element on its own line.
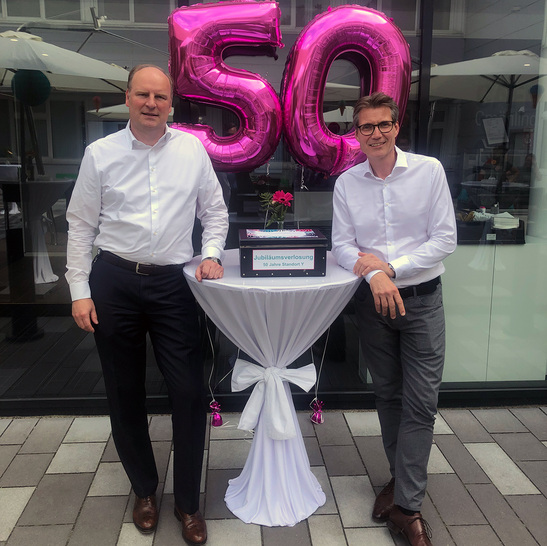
<point>407,219</point>
<point>140,202</point>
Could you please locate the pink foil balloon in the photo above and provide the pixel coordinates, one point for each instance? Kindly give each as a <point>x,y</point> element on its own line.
<point>374,45</point>
<point>200,37</point>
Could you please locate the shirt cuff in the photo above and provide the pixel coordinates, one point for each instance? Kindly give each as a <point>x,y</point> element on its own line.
<point>210,252</point>
<point>80,291</point>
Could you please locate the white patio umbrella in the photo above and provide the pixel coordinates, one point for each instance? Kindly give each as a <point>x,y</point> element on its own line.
<point>66,70</point>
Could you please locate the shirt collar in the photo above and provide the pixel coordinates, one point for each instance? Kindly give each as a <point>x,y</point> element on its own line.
<point>136,144</point>
<point>401,163</point>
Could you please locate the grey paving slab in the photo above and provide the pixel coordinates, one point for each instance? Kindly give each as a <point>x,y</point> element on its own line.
<point>44,535</point>
<point>18,430</point>
<point>500,515</point>
<point>110,454</point>
<point>498,420</point>
<point>80,457</point>
<point>26,470</point>
<point>228,453</point>
<point>232,532</point>
<point>7,454</point>
<point>89,429</point>
<point>437,463</point>
<point>162,452</point>
<point>327,531</point>
<point>13,501</point>
<point>441,426</point>
<point>299,535</point>
<point>110,480</point>
<point>161,428</point>
<point>452,501</point>
<point>57,499</point>
<point>363,423</point>
<point>433,518</point>
<point>482,535</point>
<point>47,435</point>
<point>355,498</point>
<point>313,451</point>
<point>334,431</point>
<point>229,430</point>
<point>99,522</point>
<point>537,473</point>
<point>343,461</point>
<point>522,446</point>
<point>461,460</point>
<point>502,471</point>
<point>465,425</point>
<point>131,536</point>
<point>531,509</point>
<point>306,426</point>
<point>533,419</point>
<point>378,537</point>
<point>320,472</point>
<point>217,483</point>
<point>372,452</point>
<point>4,423</point>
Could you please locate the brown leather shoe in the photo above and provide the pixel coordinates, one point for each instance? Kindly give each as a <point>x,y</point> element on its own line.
<point>414,528</point>
<point>194,528</point>
<point>383,504</point>
<point>145,514</point>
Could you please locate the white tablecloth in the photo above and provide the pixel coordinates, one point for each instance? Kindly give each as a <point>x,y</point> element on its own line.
<point>274,320</point>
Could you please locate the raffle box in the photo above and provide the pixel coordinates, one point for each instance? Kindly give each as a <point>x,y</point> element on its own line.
<point>282,253</point>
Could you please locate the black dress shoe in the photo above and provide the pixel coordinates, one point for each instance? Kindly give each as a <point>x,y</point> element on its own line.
<point>145,514</point>
<point>194,528</point>
<point>384,502</point>
<point>414,528</point>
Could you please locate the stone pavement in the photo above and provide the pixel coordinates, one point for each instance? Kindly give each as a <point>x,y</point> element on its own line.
<point>61,482</point>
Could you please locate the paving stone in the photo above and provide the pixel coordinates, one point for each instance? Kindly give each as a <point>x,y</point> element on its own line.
<point>320,472</point>
<point>355,498</point>
<point>57,499</point>
<point>44,535</point>
<point>99,521</point>
<point>358,537</point>
<point>217,483</point>
<point>203,471</point>
<point>534,420</point>
<point>441,426</point>
<point>26,470</point>
<point>161,428</point>
<point>531,509</point>
<point>363,423</point>
<point>522,446</point>
<point>4,423</point>
<point>372,453</point>
<point>313,451</point>
<point>438,528</point>
<point>501,470</point>
<point>229,430</point>
<point>498,420</point>
<point>72,458</point>
<point>467,469</point>
<point>18,431</point>
<point>131,536</point>
<point>13,501</point>
<point>306,426</point>
<point>228,453</point>
<point>465,535</point>
<point>334,431</point>
<point>500,515</point>
<point>466,426</point>
<point>47,435</point>
<point>169,476</point>
<point>232,532</point>
<point>437,463</point>
<point>343,461</point>
<point>110,454</point>
<point>298,535</point>
<point>327,531</point>
<point>162,452</point>
<point>89,429</point>
<point>537,472</point>
<point>453,502</point>
<point>7,454</point>
<point>110,480</point>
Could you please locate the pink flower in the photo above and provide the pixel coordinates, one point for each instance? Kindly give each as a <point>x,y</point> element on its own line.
<point>283,198</point>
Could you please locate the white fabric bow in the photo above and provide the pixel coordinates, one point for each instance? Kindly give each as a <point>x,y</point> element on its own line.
<point>270,393</point>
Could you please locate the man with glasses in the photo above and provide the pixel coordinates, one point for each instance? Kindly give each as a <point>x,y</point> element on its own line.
<point>393,224</point>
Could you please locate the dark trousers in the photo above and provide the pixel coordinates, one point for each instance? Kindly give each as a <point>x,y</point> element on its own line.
<point>130,306</point>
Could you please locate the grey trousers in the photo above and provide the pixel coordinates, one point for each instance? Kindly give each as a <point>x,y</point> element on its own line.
<point>405,357</point>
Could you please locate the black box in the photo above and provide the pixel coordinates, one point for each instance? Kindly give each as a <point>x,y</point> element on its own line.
<point>474,233</point>
<point>282,253</point>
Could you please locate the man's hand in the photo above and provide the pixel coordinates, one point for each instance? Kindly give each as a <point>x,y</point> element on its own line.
<point>369,262</point>
<point>84,314</point>
<point>208,269</point>
<point>386,296</point>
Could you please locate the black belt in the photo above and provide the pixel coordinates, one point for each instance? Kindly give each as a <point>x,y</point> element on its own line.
<point>420,289</point>
<point>136,267</point>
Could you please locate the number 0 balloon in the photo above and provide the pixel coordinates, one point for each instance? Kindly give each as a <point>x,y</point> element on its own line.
<point>374,45</point>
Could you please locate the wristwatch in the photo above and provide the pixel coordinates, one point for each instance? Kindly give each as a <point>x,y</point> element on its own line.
<point>213,259</point>
<point>392,269</point>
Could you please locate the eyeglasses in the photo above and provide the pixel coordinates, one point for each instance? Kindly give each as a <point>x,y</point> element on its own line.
<point>368,128</point>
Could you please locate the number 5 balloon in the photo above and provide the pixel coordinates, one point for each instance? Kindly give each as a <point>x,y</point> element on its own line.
<point>374,45</point>
<point>200,37</point>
